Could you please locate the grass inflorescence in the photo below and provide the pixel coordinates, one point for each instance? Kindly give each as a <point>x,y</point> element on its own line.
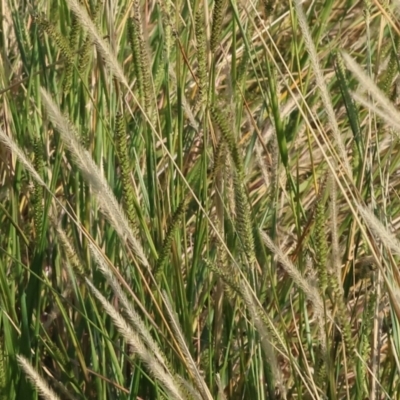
<point>199,200</point>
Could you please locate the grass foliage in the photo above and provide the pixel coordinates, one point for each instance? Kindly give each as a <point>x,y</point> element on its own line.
<point>199,200</point>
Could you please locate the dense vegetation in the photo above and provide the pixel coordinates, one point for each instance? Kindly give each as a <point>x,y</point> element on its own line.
<point>199,200</point>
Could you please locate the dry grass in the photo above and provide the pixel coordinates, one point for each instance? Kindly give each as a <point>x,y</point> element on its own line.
<point>241,242</point>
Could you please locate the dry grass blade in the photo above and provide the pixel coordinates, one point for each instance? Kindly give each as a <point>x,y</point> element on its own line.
<point>37,381</point>
<point>391,115</point>
<point>322,84</point>
<point>310,291</point>
<point>387,114</point>
<point>154,367</point>
<point>266,344</point>
<point>133,316</point>
<point>101,45</point>
<point>379,230</point>
<point>95,179</point>
<point>183,347</point>
<point>335,259</point>
<point>21,156</point>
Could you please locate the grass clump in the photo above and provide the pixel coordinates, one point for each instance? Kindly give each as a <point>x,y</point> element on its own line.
<point>199,201</point>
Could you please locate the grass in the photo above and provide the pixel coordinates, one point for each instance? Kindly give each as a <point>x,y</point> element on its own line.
<point>199,200</point>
